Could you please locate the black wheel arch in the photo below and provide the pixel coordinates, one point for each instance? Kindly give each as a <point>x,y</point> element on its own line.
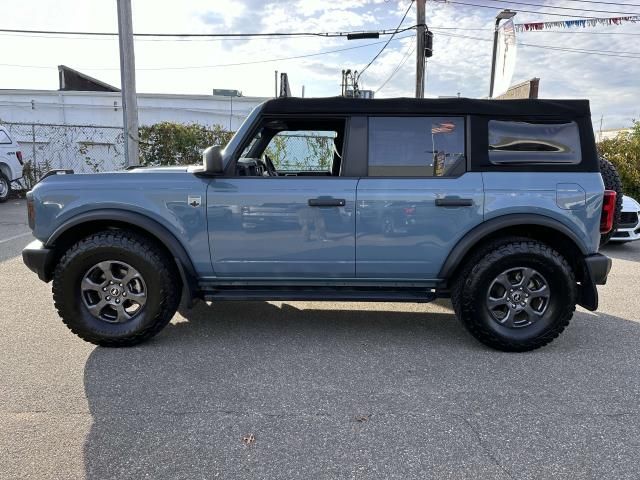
<point>91,222</point>
<point>538,227</point>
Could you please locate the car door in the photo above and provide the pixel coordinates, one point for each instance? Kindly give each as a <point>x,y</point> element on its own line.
<point>418,200</point>
<point>299,224</point>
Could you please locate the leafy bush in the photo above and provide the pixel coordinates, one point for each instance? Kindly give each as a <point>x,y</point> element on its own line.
<point>624,152</point>
<point>168,143</point>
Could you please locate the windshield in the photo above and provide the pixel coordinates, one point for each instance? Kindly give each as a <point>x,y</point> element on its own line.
<point>237,138</point>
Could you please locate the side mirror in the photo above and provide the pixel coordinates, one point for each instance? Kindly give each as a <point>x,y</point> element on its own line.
<point>212,160</point>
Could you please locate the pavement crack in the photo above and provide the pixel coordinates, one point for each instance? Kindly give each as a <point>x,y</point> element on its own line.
<point>485,447</point>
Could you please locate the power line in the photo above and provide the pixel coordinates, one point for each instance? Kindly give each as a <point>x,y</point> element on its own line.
<point>606,3</point>
<point>385,45</point>
<point>607,53</point>
<point>327,52</point>
<point>406,56</point>
<point>587,32</point>
<point>522,11</point>
<point>561,8</point>
<point>391,32</point>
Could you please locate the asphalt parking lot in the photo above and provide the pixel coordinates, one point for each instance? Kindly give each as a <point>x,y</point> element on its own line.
<point>315,390</point>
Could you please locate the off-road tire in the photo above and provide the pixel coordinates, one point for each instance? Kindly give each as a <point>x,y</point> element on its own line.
<point>612,181</point>
<point>473,282</point>
<point>7,191</point>
<point>162,283</point>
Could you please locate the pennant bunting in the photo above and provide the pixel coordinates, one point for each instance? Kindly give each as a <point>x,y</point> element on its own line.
<point>589,22</point>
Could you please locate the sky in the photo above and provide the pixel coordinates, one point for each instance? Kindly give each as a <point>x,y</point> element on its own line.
<point>460,65</point>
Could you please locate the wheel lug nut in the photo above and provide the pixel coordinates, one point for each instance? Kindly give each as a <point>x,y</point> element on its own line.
<point>117,301</point>
<point>104,289</point>
<point>124,294</point>
<point>110,283</point>
<point>108,297</point>
<point>120,284</point>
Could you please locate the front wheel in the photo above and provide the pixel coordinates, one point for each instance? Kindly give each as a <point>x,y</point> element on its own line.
<point>516,296</point>
<point>116,288</point>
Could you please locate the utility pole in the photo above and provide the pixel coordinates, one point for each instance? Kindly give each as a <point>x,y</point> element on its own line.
<point>276,78</point>
<point>420,48</point>
<point>128,82</point>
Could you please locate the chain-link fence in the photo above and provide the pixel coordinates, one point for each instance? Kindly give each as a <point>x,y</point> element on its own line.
<point>83,148</point>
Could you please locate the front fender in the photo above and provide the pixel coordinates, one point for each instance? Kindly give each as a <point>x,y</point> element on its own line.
<point>138,221</point>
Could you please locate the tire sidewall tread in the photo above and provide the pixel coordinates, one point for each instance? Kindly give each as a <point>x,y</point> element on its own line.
<point>161,280</point>
<point>469,293</point>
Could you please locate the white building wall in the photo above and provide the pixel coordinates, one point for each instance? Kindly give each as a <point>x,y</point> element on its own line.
<point>83,130</point>
<point>105,108</point>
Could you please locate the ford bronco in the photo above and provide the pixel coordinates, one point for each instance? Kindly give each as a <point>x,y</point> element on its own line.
<point>498,205</point>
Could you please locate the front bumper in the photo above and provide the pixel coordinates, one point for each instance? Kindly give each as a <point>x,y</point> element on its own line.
<point>597,267</point>
<point>626,234</point>
<point>39,259</point>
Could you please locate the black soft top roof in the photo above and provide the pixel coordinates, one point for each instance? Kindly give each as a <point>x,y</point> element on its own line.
<point>450,106</point>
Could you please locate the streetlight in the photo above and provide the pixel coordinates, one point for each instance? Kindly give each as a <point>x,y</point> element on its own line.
<point>503,15</point>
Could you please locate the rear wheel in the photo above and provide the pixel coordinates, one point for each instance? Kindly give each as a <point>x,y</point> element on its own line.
<point>516,296</point>
<point>5,188</point>
<point>116,288</point>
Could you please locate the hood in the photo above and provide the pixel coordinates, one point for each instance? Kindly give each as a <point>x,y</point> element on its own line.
<point>629,204</point>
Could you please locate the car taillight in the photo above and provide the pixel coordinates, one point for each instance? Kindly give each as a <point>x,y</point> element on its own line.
<point>608,211</point>
<point>19,155</point>
<point>31,212</point>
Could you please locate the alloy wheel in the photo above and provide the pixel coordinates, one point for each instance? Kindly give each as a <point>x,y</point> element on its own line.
<point>113,291</point>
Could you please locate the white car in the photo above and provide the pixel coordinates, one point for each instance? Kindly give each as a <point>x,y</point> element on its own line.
<point>10,163</point>
<point>629,226</point>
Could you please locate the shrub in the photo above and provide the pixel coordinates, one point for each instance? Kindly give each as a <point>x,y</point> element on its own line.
<point>624,152</point>
<point>168,143</point>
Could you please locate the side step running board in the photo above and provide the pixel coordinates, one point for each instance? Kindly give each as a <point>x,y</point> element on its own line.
<point>321,295</point>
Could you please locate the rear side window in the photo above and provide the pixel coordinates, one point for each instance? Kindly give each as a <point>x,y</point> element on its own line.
<point>416,146</point>
<point>516,143</point>
<point>4,138</point>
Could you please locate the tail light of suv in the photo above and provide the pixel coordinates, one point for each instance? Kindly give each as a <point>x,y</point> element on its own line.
<point>31,212</point>
<point>19,155</point>
<point>608,211</point>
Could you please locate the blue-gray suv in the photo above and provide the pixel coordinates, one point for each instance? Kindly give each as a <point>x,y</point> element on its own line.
<point>497,204</point>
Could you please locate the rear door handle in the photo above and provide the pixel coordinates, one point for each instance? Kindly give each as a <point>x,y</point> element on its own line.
<point>327,202</point>
<point>454,202</point>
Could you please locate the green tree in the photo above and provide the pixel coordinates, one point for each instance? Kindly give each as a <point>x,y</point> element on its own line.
<point>169,143</point>
<point>624,152</point>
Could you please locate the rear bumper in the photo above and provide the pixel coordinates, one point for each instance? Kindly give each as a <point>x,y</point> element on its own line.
<point>39,259</point>
<point>597,267</point>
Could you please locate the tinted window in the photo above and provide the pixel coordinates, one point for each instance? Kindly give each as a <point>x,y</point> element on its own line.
<point>540,143</point>
<point>416,146</point>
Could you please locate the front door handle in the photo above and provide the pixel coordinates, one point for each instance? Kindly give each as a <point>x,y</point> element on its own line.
<point>454,202</point>
<point>327,202</point>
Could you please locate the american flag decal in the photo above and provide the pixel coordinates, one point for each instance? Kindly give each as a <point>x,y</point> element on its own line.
<point>444,127</point>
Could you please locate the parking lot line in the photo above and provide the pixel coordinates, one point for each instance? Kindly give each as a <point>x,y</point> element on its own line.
<point>15,237</point>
